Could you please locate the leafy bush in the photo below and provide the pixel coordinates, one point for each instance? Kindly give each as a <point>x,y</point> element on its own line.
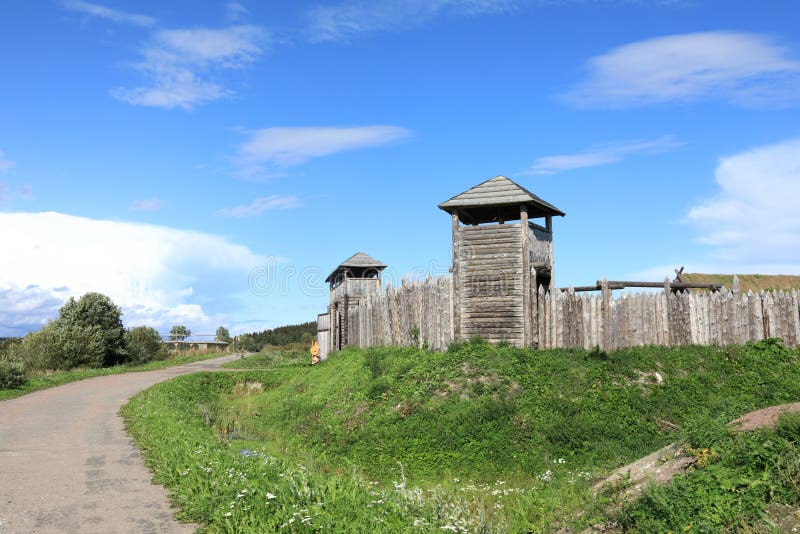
<point>87,333</point>
<point>143,344</point>
<point>37,350</point>
<point>12,374</point>
<point>81,345</point>
<point>96,311</point>
<point>61,346</point>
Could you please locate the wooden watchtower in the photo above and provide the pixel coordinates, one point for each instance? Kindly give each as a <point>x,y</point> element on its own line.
<point>350,282</point>
<point>500,258</point>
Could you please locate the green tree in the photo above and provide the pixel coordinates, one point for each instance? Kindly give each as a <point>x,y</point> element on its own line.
<point>179,332</point>
<point>94,317</point>
<point>143,344</point>
<point>223,335</point>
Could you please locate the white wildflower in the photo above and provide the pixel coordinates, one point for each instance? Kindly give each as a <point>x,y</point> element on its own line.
<point>271,495</point>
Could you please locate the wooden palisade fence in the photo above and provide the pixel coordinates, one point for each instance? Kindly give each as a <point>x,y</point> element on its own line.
<point>412,314</point>
<point>498,290</point>
<point>419,312</point>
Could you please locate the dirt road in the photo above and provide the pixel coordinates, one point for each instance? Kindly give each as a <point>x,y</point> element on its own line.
<point>67,465</point>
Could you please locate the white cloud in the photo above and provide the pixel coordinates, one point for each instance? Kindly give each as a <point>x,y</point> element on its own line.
<point>261,205</point>
<point>115,15</point>
<point>745,68</point>
<point>754,220</point>
<point>148,204</point>
<point>158,275</point>
<point>600,155</point>
<point>235,11</point>
<point>351,17</point>
<point>5,163</point>
<point>179,64</point>
<point>284,147</point>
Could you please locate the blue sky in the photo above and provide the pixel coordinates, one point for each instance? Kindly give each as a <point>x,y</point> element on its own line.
<point>210,163</point>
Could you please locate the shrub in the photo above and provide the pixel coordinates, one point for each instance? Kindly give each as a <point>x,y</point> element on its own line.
<point>87,333</point>
<point>95,310</point>
<point>38,350</point>
<point>81,346</point>
<point>61,346</point>
<point>143,344</point>
<point>12,374</point>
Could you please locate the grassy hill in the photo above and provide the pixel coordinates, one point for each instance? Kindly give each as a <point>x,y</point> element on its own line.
<point>479,438</point>
<point>747,282</point>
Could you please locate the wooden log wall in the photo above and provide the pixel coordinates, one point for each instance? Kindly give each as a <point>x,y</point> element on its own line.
<point>541,250</point>
<point>491,282</point>
<point>568,319</point>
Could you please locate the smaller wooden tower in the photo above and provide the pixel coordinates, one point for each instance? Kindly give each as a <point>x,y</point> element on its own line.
<point>500,258</point>
<point>350,282</point>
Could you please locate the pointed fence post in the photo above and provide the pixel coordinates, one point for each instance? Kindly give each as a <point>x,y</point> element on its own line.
<point>605,313</point>
<point>668,296</point>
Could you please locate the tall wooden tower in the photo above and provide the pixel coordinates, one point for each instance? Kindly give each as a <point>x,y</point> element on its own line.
<point>350,282</point>
<point>500,258</point>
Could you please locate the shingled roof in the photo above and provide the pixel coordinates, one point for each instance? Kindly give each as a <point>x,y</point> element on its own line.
<point>358,262</point>
<point>488,199</point>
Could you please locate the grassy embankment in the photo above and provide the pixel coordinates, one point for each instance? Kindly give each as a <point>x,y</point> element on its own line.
<point>44,380</point>
<point>478,438</point>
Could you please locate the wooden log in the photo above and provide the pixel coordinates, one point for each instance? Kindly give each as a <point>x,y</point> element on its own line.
<point>621,284</point>
<point>456,307</point>
<point>527,339</point>
<point>607,335</point>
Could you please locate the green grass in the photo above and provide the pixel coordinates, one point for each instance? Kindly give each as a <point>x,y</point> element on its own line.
<point>498,438</point>
<point>63,377</point>
<point>294,355</point>
<point>740,476</point>
<point>214,484</point>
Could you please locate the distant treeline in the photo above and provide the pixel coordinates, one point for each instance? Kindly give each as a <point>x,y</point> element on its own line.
<point>283,335</point>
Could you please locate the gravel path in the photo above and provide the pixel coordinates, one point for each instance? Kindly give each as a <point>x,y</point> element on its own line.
<point>67,464</point>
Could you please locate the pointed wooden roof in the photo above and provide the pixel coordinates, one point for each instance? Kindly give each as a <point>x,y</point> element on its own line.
<point>499,192</point>
<point>358,263</point>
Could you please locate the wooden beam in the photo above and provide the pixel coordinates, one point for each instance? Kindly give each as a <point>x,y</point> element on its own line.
<point>614,284</point>
<point>527,321</point>
<point>456,300</point>
<point>620,284</point>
